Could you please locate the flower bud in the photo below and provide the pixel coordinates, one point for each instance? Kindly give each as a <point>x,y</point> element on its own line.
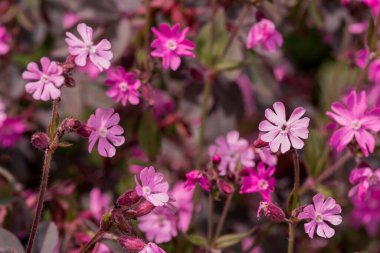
<point>271,211</point>
<point>142,209</point>
<point>128,198</point>
<point>225,187</point>
<point>216,159</point>
<point>84,131</point>
<point>131,243</point>
<point>69,81</point>
<point>40,141</point>
<point>71,124</point>
<point>258,143</point>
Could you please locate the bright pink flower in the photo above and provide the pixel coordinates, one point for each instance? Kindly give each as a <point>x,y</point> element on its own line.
<point>99,203</point>
<point>184,205</point>
<point>374,71</point>
<point>171,44</point>
<point>261,181</point>
<point>123,86</point>
<point>356,122</point>
<point>47,83</point>
<point>365,179</point>
<point>11,131</point>
<point>320,215</point>
<point>4,41</point>
<point>99,54</point>
<point>195,176</point>
<point>263,34</point>
<point>152,248</point>
<point>361,57</point>
<point>279,132</point>
<point>69,19</point>
<point>153,187</point>
<point>106,130</point>
<point>232,149</point>
<point>358,28</point>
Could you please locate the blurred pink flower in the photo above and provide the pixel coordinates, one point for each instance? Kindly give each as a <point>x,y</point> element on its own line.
<point>171,44</point>
<point>3,114</point>
<point>152,248</point>
<point>374,71</point>
<point>47,83</point>
<point>365,179</point>
<point>90,69</point>
<point>279,132</point>
<point>153,187</point>
<point>106,129</point>
<point>265,155</point>
<point>247,244</point>
<point>195,176</point>
<point>261,181</point>
<point>232,149</point>
<point>123,86</point>
<point>69,20</point>
<point>321,214</point>
<point>361,57</point>
<point>11,131</point>
<point>99,54</point>
<point>184,205</point>
<point>99,203</point>
<point>4,41</point>
<point>263,34</point>
<point>358,28</point>
<point>374,5</point>
<point>356,122</point>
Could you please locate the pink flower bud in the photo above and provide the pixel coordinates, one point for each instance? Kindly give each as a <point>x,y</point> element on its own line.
<point>128,198</point>
<point>85,131</point>
<point>69,81</point>
<point>258,143</point>
<point>271,211</point>
<point>71,124</point>
<point>216,159</point>
<point>131,243</point>
<point>225,187</point>
<point>40,141</point>
<point>142,209</point>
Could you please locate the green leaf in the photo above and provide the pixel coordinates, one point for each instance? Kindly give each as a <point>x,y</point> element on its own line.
<point>198,240</point>
<point>52,128</point>
<point>293,201</point>
<point>229,65</point>
<point>228,240</point>
<point>149,136</point>
<point>316,152</point>
<point>371,35</point>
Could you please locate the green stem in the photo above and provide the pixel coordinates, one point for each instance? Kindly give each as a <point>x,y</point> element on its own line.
<point>210,217</point>
<point>223,217</point>
<point>292,229</point>
<point>296,164</point>
<point>147,33</point>
<point>93,240</point>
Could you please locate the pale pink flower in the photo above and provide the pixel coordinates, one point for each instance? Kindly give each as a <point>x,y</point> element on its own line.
<point>4,41</point>
<point>106,130</point>
<point>356,123</point>
<point>123,86</point>
<point>261,181</point>
<point>282,133</point>
<point>99,203</point>
<point>265,155</point>
<point>358,28</point>
<point>170,44</point>
<point>263,34</point>
<point>374,71</point>
<point>152,248</point>
<point>195,176</point>
<point>47,83</point>
<point>232,150</point>
<point>90,69</point>
<point>69,19</point>
<point>153,187</point>
<point>11,130</point>
<point>184,205</point>
<point>320,216</point>
<point>99,54</point>
<point>365,178</point>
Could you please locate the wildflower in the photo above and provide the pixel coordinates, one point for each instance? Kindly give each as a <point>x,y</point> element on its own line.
<point>69,19</point>
<point>128,198</point>
<point>153,186</point>
<point>99,203</point>
<point>106,130</point>
<point>4,41</point>
<point>232,150</point>
<point>320,215</point>
<point>40,140</point>
<point>183,205</point>
<point>131,243</point>
<point>99,54</point>
<point>263,34</point>
<point>171,44</point>
<point>47,82</point>
<point>3,114</point>
<point>261,181</point>
<point>195,176</point>
<point>282,133</point>
<point>271,211</point>
<point>265,155</point>
<point>90,69</point>
<point>123,86</point>
<point>366,178</point>
<point>152,248</point>
<point>11,131</point>
<point>361,58</point>
<point>374,71</point>
<point>356,122</point>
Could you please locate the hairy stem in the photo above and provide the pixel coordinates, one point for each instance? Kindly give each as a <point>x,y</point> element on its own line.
<point>223,217</point>
<point>93,240</point>
<point>292,229</point>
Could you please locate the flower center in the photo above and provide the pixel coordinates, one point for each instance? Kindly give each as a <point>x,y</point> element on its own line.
<point>123,86</point>
<point>319,217</point>
<point>284,128</point>
<point>44,78</point>
<point>103,132</point>
<point>90,47</point>
<point>146,190</point>
<point>355,124</point>
<point>263,184</point>
<point>373,180</point>
<point>171,44</point>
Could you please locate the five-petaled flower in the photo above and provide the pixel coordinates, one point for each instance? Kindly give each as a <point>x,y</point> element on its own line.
<point>99,54</point>
<point>46,83</point>
<point>282,133</point>
<point>170,44</point>
<point>264,34</point>
<point>365,179</point>
<point>320,215</point>
<point>105,129</point>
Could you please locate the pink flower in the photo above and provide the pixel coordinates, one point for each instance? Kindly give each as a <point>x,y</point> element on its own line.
<point>265,155</point>
<point>4,41</point>
<point>184,205</point>
<point>279,132</point>
<point>374,71</point>
<point>3,114</point>
<point>106,130</point>
<point>374,5</point>
<point>123,86</point>
<point>355,121</point>
<point>365,179</point>
<point>90,69</point>
<point>232,150</point>
<point>99,203</point>
<point>321,214</point>
<point>152,248</point>
<point>195,176</point>
<point>69,19</point>
<point>361,57</point>
<point>99,54</point>
<point>358,28</point>
<point>263,34</point>
<point>11,131</point>
<point>47,83</point>
<point>171,44</point>
<point>153,186</point>
<point>261,181</point>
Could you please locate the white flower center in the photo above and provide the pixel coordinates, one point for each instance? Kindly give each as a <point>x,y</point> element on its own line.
<point>123,86</point>
<point>146,190</point>
<point>319,217</point>
<point>171,44</point>
<point>90,47</point>
<point>44,78</point>
<point>263,184</point>
<point>355,124</point>
<point>103,132</point>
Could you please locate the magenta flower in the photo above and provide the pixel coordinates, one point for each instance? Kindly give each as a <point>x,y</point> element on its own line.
<point>263,34</point>
<point>47,83</point>
<point>11,130</point>
<point>232,150</point>
<point>171,44</point>
<point>356,122</point>
<point>361,57</point>
<point>99,203</point>
<point>106,130</point>
<point>320,215</point>
<point>279,132</point>
<point>261,181</point>
<point>365,178</point>
<point>153,186</point>
<point>195,176</point>
<point>152,248</point>
<point>3,114</point>
<point>4,41</point>
<point>374,5</point>
<point>374,71</point>
<point>123,86</point>
<point>99,54</point>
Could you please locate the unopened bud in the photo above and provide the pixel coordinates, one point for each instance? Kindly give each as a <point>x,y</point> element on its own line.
<point>69,81</point>
<point>128,198</point>
<point>71,124</point>
<point>142,209</point>
<point>40,141</point>
<point>225,187</point>
<point>131,243</point>
<point>85,131</point>
<point>258,143</point>
<point>271,211</point>
<point>216,159</point>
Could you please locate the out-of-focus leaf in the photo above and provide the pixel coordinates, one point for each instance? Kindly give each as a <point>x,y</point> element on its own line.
<point>47,238</point>
<point>53,126</point>
<point>371,35</point>
<point>315,15</point>
<point>9,242</point>
<point>198,240</point>
<point>293,201</point>
<point>149,136</point>
<point>324,190</point>
<point>316,152</point>
<point>228,240</point>
<point>230,65</point>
